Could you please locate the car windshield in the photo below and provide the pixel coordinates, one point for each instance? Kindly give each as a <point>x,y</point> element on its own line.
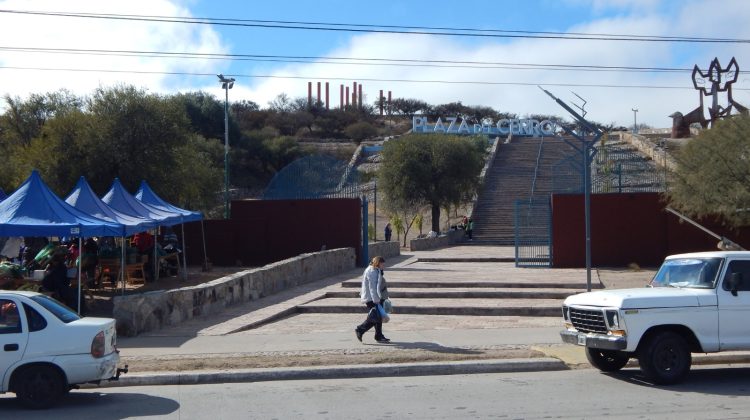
<point>687,272</point>
<point>57,309</point>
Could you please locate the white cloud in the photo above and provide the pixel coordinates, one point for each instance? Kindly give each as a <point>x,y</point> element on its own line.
<point>692,18</point>
<point>33,31</point>
<point>604,104</point>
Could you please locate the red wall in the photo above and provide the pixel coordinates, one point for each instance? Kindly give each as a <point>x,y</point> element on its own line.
<point>627,228</point>
<point>263,231</point>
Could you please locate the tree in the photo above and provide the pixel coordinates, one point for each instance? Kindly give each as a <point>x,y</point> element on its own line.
<point>281,103</point>
<point>409,107</point>
<point>431,169</point>
<point>713,173</point>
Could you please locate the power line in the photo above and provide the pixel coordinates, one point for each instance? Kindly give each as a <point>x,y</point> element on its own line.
<point>346,60</point>
<point>393,29</point>
<point>356,79</point>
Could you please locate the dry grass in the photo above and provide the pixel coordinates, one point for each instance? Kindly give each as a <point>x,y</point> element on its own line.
<point>388,354</point>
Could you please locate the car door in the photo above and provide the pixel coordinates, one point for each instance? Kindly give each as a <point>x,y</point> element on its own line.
<point>734,311</point>
<point>13,335</point>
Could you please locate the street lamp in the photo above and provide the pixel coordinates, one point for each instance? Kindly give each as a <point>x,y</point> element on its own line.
<point>635,120</point>
<point>226,84</point>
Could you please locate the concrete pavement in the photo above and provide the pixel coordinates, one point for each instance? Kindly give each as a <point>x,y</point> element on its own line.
<point>241,343</point>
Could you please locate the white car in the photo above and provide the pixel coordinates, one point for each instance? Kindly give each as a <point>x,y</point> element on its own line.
<point>48,349</point>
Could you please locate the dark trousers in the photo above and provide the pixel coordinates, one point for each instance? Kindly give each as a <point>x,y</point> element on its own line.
<point>369,322</point>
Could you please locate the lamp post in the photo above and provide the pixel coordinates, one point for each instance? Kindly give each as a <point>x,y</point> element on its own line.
<point>226,84</point>
<point>635,120</point>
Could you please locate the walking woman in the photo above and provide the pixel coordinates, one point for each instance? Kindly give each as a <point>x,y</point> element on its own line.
<point>373,293</point>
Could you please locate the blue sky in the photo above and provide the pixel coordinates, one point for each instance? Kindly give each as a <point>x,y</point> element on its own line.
<point>610,95</point>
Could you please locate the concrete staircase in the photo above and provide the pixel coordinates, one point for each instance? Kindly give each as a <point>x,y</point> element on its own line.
<point>442,288</point>
<point>522,168</point>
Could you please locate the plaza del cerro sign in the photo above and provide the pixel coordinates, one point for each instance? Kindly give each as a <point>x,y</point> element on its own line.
<point>454,125</point>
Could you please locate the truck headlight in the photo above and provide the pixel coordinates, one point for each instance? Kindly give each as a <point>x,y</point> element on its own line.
<point>613,319</point>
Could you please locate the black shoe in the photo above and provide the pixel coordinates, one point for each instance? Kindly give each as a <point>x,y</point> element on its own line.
<point>382,339</point>
<point>359,334</point>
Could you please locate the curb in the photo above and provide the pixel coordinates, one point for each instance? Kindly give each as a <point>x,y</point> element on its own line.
<point>339,372</point>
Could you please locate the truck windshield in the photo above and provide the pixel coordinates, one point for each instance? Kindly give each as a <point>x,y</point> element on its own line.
<point>687,272</point>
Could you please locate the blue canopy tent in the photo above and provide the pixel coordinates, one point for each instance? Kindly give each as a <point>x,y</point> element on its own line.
<point>118,198</point>
<point>146,195</point>
<point>83,198</point>
<point>34,210</point>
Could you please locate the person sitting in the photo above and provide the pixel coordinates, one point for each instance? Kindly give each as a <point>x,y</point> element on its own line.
<point>144,243</point>
<point>56,279</point>
<point>89,261</point>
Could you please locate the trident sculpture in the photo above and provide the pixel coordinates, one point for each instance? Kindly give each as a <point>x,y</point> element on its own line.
<point>716,80</point>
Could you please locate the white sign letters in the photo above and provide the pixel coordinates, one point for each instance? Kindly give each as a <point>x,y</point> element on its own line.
<point>518,127</point>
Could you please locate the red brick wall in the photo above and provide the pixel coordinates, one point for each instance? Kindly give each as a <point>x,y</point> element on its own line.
<point>263,231</point>
<point>627,228</point>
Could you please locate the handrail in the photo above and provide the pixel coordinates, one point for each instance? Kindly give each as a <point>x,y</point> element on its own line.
<point>536,169</point>
<point>724,243</point>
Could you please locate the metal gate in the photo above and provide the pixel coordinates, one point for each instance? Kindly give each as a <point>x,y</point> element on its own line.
<point>533,232</point>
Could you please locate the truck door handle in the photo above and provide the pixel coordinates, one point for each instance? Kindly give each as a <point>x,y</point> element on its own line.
<point>10,347</point>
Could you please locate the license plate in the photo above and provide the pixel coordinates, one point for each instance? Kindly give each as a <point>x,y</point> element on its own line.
<point>581,340</point>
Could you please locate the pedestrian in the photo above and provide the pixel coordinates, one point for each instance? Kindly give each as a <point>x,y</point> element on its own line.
<point>373,293</point>
<point>388,232</point>
<point>470,228</point>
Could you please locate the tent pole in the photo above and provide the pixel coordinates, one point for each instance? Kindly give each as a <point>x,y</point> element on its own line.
<point>184,254</point>
<point>156,258</point>
<point>122,264</point>
<point>80,248</point>
<point>205,258</point>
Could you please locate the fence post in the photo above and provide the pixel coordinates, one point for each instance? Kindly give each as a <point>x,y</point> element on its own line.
<point>365,240</point>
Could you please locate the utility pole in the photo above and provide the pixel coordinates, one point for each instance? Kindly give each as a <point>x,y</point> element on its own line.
<point>635,120</point>
<point>226,84</point>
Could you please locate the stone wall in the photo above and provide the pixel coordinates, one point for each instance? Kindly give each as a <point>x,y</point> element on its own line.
<point>449,238</point>
<point>153,310</point>
<point>650,149</point>
<point>384,249</point>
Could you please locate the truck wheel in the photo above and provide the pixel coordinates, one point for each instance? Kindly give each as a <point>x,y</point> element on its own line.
<point>606,360</point>
<point>665,358</point>
<point>38,386</point>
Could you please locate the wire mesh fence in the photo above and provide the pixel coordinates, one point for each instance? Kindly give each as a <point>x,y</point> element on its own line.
<point>533,232</point>
<point>317,176</point>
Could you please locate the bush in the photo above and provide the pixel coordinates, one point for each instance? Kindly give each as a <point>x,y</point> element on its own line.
<point>360,131</point>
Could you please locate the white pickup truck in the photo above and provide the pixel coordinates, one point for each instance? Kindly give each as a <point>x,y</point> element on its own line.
<point>696,303</point>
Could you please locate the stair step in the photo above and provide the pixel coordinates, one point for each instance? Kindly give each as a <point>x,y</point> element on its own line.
<point>463,293</point>
<point>506,307</point>
<point>476,285</point>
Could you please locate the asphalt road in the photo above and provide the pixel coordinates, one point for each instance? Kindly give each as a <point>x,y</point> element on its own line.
<point>709,393</point>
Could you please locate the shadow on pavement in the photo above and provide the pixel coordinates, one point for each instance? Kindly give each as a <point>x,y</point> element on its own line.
<point>427,346</point>
<point>728,381</point>
<point>82,404</point>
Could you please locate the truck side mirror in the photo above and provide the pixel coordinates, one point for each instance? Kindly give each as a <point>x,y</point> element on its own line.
<point>735,281</point>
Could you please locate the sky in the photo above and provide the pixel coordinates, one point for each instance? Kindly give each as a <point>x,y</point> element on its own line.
<point>45,53</point>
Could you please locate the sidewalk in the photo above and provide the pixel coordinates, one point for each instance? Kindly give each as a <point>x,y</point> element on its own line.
<point>268,339</point>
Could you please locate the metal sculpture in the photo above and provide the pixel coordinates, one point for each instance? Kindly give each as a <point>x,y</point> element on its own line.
<point>716,80</point>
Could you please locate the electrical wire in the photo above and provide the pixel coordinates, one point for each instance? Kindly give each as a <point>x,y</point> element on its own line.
<point>364,28</point>
<point>347,60</point>
<point>356,79</point>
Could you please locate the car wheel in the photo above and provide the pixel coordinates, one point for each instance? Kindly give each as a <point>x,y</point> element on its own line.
<point>665,358</point>
<point>39,386</point>
<point>606,360</point>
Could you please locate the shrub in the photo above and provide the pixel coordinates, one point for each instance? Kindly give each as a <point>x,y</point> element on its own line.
<point>360,131</point>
